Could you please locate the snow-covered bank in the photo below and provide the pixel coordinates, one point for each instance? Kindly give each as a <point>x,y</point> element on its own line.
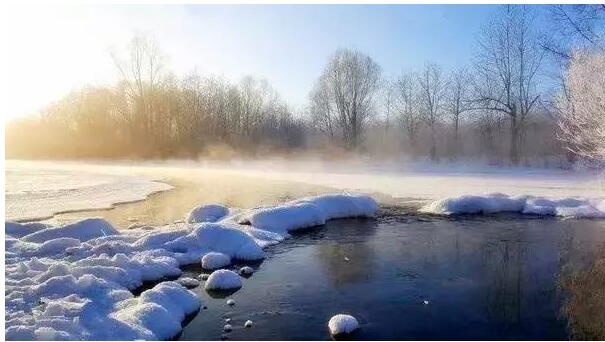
<point>496,203</point>
<point>76,281</point>
<point>40,190</point>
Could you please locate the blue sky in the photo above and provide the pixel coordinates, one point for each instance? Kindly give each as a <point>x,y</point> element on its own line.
<point>57,49</point>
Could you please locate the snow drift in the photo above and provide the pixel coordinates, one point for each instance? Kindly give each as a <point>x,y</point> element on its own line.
<point>497,203</point>
<point>309,212</point>
<point>75,281</point>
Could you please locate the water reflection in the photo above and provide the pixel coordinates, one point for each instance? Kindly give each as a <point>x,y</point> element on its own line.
<point>501,277</point>
<point>348,262</point>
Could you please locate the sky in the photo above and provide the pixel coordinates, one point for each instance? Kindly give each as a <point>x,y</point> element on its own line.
<point>53,50</point>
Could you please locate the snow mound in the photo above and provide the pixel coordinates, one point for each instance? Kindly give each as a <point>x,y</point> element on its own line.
<point>335,206</point>
<point>158,312</point>
<point>284,218</point>
<point>342,324</point>
<point>83,230</point>
<point>223,280</point>
<point>219,238</point>
<point>18,230</point>
<point>207,213</point>
<point>309,212</point>
<point>496,203</point>
<point>214,260</point>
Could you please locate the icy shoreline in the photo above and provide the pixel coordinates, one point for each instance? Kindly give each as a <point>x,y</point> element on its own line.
<point>76,281</point>
<point>38,192</point>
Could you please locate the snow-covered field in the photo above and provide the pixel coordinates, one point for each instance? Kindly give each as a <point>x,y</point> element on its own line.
<point>37,190</point>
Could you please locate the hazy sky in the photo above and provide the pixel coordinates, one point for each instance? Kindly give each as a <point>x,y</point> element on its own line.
<point>53,50</point>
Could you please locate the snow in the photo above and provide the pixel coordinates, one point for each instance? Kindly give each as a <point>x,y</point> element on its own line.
<point>36,190</point>
<point>83,230</point>
<point>214,260</point>
<point>207,213</point>
<point>223,280</point>
<point>335,206</point>
<point>342,324</point>
<point>284,218</point>
<point>308,212</point>
<point>496,203</point>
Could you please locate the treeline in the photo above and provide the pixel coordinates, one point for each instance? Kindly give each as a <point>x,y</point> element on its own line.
<point>153,114</point>
<point>496,108</point>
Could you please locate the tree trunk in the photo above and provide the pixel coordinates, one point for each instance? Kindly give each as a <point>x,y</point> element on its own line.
<point>514,140</point>
<point>433,144</point>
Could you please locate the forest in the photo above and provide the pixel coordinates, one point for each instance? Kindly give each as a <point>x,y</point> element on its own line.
<point>533,94</point>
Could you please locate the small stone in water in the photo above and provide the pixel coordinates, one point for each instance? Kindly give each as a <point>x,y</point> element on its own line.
<point>425,302</point>
<point>246,270</point>
<point>227,328</point>
<point>347,259</point>
<point>227,320</point>
<point>230,302</point>
<point>205,276</point>
<point>248,324</point>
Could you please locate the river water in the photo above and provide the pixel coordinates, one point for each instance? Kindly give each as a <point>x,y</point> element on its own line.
<point>406,276</point>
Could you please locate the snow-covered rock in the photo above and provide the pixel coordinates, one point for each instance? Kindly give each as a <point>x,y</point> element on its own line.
<point>219,238</point>
<point>496,203</point>
<point>230,302</point>
<point>215,260</point>
<point>335,206</point>
<point>342,324</point>
<point>82,230</point>
<point>223,280</point>
<point>188,282</point>
<point>246,270</point>
<point>309,212</point>
<point>288,217</point>
<point>248,324</point>
<point>207,213</point>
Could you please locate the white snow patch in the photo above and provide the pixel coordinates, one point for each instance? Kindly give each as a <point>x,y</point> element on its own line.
<point>82,230</point>
<point>37,190</point>
<point>307,212</point>
<point>214,260</point>
<point>223,280</point>
<point>342,324</point>
<point>496,203</point>
<point>207,213</point>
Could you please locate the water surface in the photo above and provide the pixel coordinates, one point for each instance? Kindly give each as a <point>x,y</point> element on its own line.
<point>497,277</point>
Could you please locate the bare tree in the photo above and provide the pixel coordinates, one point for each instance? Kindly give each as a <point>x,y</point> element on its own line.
<point>458,102</point>
<point>407,106</point>
<point>323,116</point>
<point>576,26</point>
<point>350,81</point>
<point>507,68</point>
<point>432,97</point>
<point>582,106</point>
